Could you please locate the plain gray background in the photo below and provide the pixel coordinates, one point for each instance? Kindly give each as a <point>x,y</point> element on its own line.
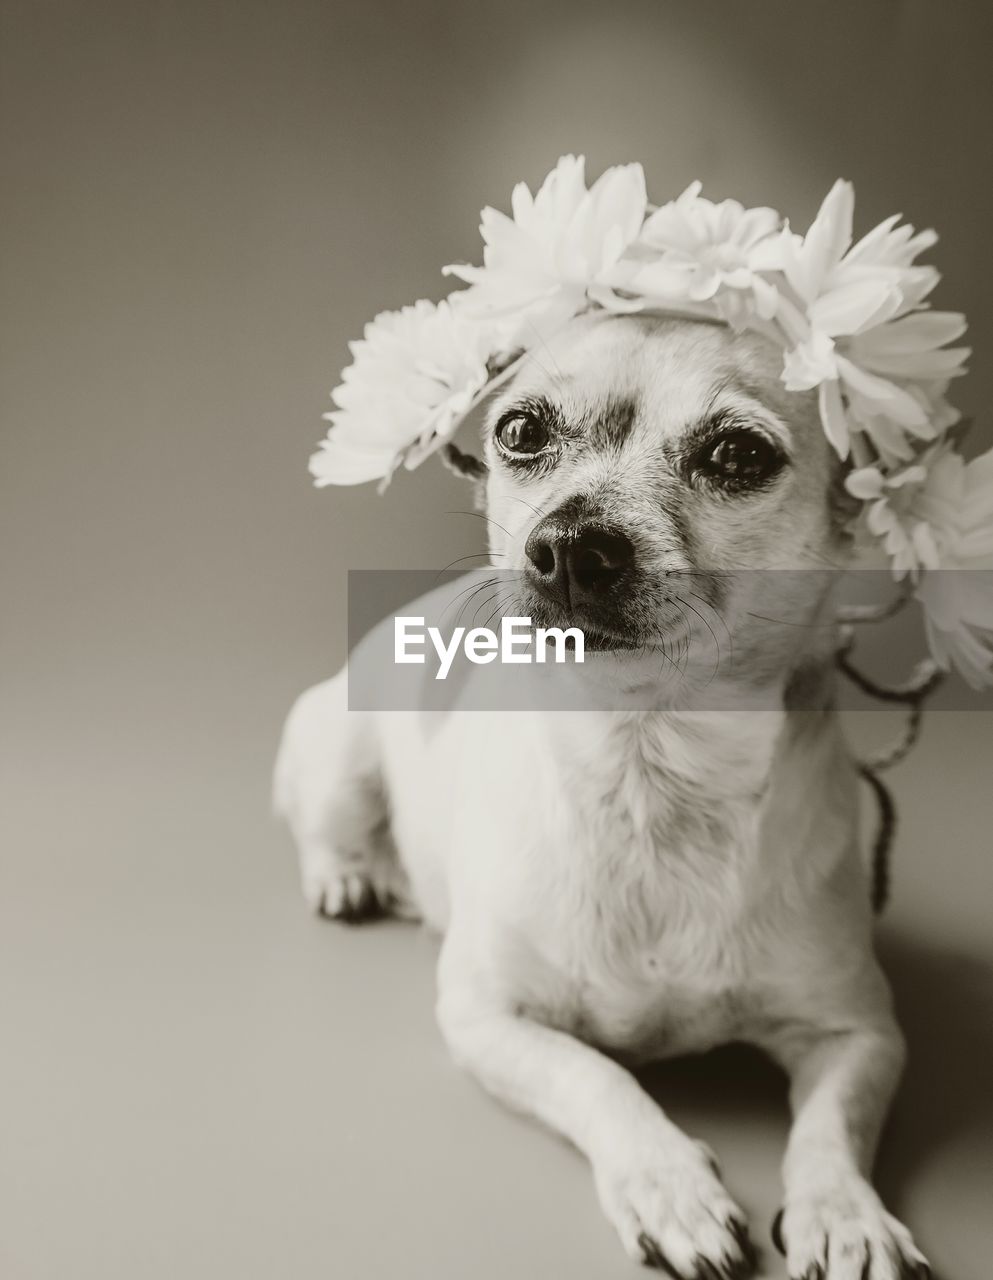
<point>202,203</point>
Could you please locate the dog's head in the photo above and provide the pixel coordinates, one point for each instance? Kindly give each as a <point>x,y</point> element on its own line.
<point>634,461</point>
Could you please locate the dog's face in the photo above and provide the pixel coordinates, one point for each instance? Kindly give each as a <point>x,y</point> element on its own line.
<point>633,460</point>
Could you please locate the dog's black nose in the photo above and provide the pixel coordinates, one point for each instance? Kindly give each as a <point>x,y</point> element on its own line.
<point>577,563</point>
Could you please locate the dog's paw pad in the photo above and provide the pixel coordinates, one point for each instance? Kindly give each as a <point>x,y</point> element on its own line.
<point>845,1233</point>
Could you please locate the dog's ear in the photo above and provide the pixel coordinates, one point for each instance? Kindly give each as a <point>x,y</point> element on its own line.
<point>463,464</point>
<point>467,467</point>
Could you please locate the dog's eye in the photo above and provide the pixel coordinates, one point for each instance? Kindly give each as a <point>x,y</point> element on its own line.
<point>740,459</point>
<point>521,433</point>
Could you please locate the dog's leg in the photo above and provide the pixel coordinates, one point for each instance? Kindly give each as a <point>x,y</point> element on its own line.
<point>329,788</point>
<point>659,1188</point>
<point>833,1225</point>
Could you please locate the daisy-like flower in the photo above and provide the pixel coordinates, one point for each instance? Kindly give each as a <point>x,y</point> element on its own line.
<point>937,515</point>
<point>895,517</point>
<point>892,243</point>
<point>848,311</point>
<point>899,361</point>
<point>699,251</point>
<point>414,375</point>
<point>958,620</point>
<point>838,290</point>
<point>540,265</point>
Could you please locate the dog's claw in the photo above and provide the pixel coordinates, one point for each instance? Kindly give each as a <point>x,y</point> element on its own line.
<point>653,1256</point>
<point>776,1232</point>
<point>744,1241</point>
<point>704,1268</point>
<point>867,1241</point>
<point>352,900</point>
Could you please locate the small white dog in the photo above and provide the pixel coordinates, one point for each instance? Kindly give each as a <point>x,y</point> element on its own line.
<point>616,886</point>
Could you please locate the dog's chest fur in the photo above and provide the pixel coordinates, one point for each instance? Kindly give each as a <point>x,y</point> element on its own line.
<point>650,885</point>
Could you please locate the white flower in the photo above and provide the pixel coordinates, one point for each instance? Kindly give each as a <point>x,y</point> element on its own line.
<point>702,252</point>
<point>892,245</point>
<point>894,515</point>
<point>415,373</point>
<point>912,347</point>
<point>856,336</point>
<point>937,515</point>
<point>904,358</point>
<point>885,410</point>
<point>958,620</point>
<point>540,264</point>
<point>840,290</point>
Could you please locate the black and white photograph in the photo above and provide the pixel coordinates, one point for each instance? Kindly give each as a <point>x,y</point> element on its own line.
<point>496,549</point>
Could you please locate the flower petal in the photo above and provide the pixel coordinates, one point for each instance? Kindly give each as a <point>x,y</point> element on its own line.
<point>894,400</point>
<point>828,237</point>
<point>849,308</point>
<point>810,363</point>
<point>865,484</point>
<point>833,417</point>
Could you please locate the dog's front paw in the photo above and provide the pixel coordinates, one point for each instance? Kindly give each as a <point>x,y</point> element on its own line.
<point>843,1232</point>
<point>672,1212</point>
<point>336,891</point>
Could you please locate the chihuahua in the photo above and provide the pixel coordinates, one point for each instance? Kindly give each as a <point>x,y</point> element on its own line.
<point>618,884</point>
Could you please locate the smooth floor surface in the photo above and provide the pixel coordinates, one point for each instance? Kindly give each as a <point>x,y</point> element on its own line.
<point>197,1080</point>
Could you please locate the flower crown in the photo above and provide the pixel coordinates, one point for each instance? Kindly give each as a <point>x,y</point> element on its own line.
<point>852,320</point>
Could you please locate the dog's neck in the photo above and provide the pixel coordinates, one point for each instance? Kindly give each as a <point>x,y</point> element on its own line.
<point>727,751</point>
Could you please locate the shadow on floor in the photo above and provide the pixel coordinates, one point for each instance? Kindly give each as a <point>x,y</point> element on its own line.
<point>730,1083</point>
<point>944,1002</point>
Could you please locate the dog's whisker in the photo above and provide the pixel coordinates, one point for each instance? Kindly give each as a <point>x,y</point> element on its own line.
<point>786,622</point>
<point>723,621</point>
<point>532,356</point>
<point>715,611</point>
<point>479,515</point>
<point>682,604</point>
<point>501,605</point>
<point>484,604</point>
<point>468,602</point>
<point>469,591</point>
<point>685,604</point>
<point>559,375</point>
<point>473,555</point>
<point>683,647</point>
<point>470,585</point>
<point>530,505</point>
